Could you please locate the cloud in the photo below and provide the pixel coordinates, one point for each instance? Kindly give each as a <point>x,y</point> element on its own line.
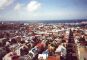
<point>5,3</point>
<point>18,7</point>
<point>33,6</point>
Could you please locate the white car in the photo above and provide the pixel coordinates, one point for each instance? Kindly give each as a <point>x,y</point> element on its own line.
<point>33,52</point>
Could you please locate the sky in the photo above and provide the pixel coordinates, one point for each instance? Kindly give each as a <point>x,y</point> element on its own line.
<point>17,10</point>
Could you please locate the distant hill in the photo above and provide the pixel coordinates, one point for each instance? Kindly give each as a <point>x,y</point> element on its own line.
<point>63,21</point>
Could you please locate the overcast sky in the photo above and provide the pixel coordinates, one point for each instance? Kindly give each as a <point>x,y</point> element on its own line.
<point>42,9</point>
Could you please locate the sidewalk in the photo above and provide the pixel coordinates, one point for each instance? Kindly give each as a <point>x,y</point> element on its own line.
<point>82,52</point>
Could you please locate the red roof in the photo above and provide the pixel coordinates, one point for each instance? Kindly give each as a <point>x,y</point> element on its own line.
<point>53,58</point>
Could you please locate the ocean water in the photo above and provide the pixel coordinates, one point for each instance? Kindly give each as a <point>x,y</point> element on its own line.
<point>45,21</point>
